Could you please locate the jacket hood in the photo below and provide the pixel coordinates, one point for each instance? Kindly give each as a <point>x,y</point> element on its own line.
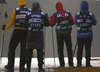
<point>84,7</point>
<point>21,2</point>
<point>59,6</point>
<point>36,7</point>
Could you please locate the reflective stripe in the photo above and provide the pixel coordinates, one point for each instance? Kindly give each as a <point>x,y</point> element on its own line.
<point>20,16</point>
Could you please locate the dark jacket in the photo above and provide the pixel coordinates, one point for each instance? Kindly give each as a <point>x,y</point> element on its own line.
<point>35,21</point>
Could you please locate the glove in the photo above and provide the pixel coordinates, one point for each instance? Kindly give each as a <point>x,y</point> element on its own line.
<point>47,15</point>
<point>50,16</point>
<point>3,27</point>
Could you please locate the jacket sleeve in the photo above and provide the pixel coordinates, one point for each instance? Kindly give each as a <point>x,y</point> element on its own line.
<point>46,20</point>
<point>71,19</point>
<point>94,21</point>
<point>12,20</point>
<point>52,20</point>
<point>75,19</point>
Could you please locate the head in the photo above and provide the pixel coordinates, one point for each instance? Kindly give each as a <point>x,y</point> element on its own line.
<point>84,7</point>
<point>21,3</point>
<point>36,6</point>
<point>59,6</point>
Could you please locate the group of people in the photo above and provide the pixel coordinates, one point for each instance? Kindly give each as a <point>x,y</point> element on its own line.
<point>28,29</point>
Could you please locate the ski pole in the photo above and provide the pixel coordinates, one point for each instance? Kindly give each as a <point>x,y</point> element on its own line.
<point>44,35</point>
<point>75,49</point>
<point>53,47</point>
<point>2,41</point>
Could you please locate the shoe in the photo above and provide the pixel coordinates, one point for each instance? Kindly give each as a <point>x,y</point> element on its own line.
<point>6,66</point>
<point>22,71</point>
<point>79,63</point>
<point>78,66</point>
<point>71,66</point>
<point>88,66</point>
<point>10,70</point>
<point>27,70</point>
<point>41,70</point>
<point>61,66</point>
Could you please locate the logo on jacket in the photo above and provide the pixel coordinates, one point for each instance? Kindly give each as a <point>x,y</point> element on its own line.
<point>58,27</point>
<point>59,15</point>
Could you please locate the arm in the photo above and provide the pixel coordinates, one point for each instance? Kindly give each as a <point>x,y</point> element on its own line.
<point>52,20</point>
<point>75,21</point>
<point>94,21</point>
<point>46,20</point>
<point>71,19</point>
<point>12,20</point>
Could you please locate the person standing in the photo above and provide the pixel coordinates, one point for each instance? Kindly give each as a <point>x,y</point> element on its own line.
<point>64,20</point>
<point>18,36</point>
<point>35,21</point>
<point>84,20</point>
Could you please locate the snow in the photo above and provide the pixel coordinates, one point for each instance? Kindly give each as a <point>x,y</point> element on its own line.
<point>49,62</point>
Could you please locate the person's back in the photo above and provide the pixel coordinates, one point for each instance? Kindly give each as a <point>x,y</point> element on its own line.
<point>35,21</point>
<point>20,17</point>
<point>84,20</point>
<point>63,18</point>
<point>64,21</point>
<point>18,36</point>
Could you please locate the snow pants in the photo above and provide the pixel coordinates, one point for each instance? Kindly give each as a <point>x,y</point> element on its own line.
<point>61,38</point>
<point>18,37</point>
<point>81,43</point>
<point>40,58</point>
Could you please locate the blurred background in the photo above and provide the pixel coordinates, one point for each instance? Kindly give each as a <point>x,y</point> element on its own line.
<point>48,6</point>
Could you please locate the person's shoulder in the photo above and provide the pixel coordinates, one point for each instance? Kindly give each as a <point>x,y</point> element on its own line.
<point>28,13</point>
<point>67,11</point>
<point>78,13</point>
<point>90,13</point>
<point>42,13</point>
<point>55,13</point>
<point>17,8</point>
<point>29,9</point>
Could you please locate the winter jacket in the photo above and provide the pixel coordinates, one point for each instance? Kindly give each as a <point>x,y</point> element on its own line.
<point>18,16</point>
<point>35,21</point>
<point>63,18</point>
<point>84,20</point>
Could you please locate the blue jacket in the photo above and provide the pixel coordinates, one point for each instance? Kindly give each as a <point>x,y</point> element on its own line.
<point>20,16</point>
<point>84,10</point>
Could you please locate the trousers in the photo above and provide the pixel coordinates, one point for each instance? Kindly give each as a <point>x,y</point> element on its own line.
<point>61,38</point>
<point>18,37</point>
<point>81,43</point>
<point>40,57</point>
